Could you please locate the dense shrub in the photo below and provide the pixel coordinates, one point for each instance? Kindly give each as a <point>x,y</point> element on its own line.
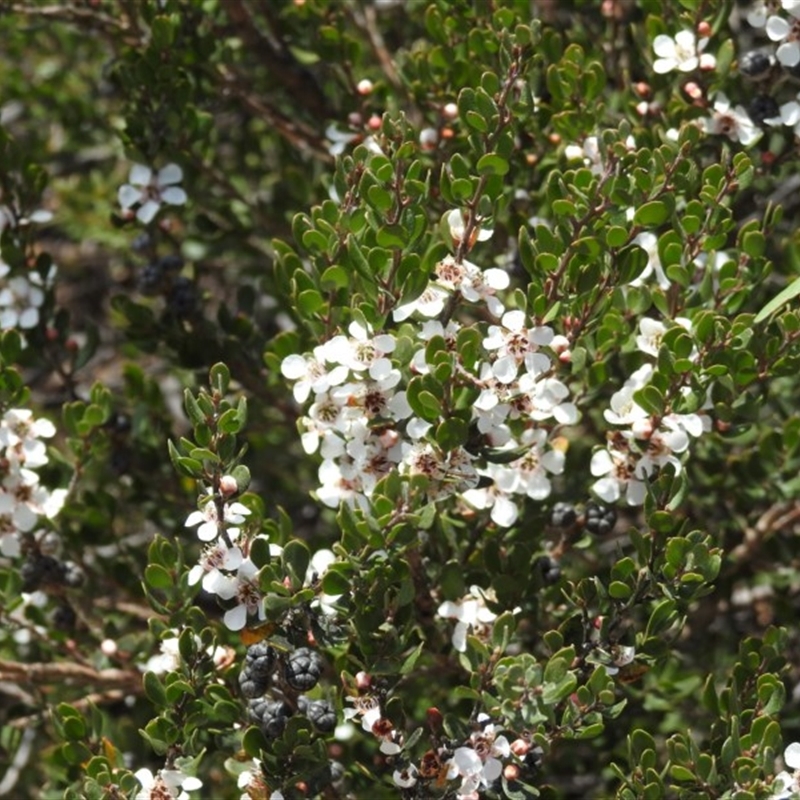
<point>398,398</point>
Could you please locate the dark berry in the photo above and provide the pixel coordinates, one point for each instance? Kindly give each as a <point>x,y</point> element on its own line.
<point>260,659</point>
<point>269,715</point>
<point>321,714</point>
<point>151,280</point>
<point>141,242</point>
<point>600,519</point>
<point>549,570</point>
<point>173,263</point>
<point>303,668</point>
<point>41,570</point>
<point>182,297</point>
<point>563,515</point>
<point>64,618</point>
<point>257,669</point>
<point>763,107</point>
<point>755,64</point>
<point>533,759</point>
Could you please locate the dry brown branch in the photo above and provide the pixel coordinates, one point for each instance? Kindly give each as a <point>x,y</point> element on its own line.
<point>68,13</point>
<point>298,134</point>
<point>61,672</point>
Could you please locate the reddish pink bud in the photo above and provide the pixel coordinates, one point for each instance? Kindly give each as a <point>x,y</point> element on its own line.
<point>519,747</point>
<point>363,680</point>
<point>228,485</point>
<point>693,90</point>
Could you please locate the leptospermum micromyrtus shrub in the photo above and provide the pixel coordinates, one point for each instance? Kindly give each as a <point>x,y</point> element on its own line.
<point>399,399</point>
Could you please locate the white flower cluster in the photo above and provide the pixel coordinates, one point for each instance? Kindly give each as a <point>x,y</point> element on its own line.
<point>361,422</point>
<point>787,784</point>
<point>224,568</point>
<point>471,613</point>
<point>22,498</point>
<point>22,291</point>
<point>477,764</point>
<point>784,32</point>
<point>166,784</point>
<point>642,443</point>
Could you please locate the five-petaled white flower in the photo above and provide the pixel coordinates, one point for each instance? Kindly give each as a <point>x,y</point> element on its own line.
<point>683,53</point>
<point>149,191</point>
<point>166,784</point>
<point>469,612</point>
<point>733,122</point>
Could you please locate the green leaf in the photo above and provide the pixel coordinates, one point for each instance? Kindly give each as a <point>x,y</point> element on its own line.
<point>157,577</point>
<point>154,689</point>
<point>219,378</point>
<point>781,299</point>
<point>651,214</point>
<point>492,164</point>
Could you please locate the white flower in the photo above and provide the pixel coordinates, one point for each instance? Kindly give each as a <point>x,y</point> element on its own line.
<point>149,191</point>
<point>405,778</point>
<point>21,297</point>
<point>649,243</point>
<point>786,32</point>
<point>208,520</point>
<point>469,612</point>
<point>496,496</point>
<point>616,471</point>
<point>216,557</point>
<point>734,123</point>
<point>311,373</point>
<point>514,341</point>
<point>588,152</point>
<point>787,784</point>
<point>243,587</point>
<point>457,223</point>
<point>362,351</point>
<point>429,304</point>
<point>681,53</point>
<point>166,784</point>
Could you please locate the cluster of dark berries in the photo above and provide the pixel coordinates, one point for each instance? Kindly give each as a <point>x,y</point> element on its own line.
<point>162,278</point>
<point>273,683</point>
<point>596,518</point>
<point>563,515</point>
<point>157,277</point>
<point>599,519</point>
<point>549,570</point>
<point>41,571</point>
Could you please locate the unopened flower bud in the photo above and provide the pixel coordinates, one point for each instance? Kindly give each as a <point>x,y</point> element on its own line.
<point>511,772</point>
<point>108,647</point>
<point>363,680</point>
<point>228,485</point>
<point>642,89</point>
<point>703,29</point>
<point>519,747</point>
<point>450,110</point>
<point>693,90</point>
<point>364,86</point>
<point>374,123</point>
<point>435,719</point>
